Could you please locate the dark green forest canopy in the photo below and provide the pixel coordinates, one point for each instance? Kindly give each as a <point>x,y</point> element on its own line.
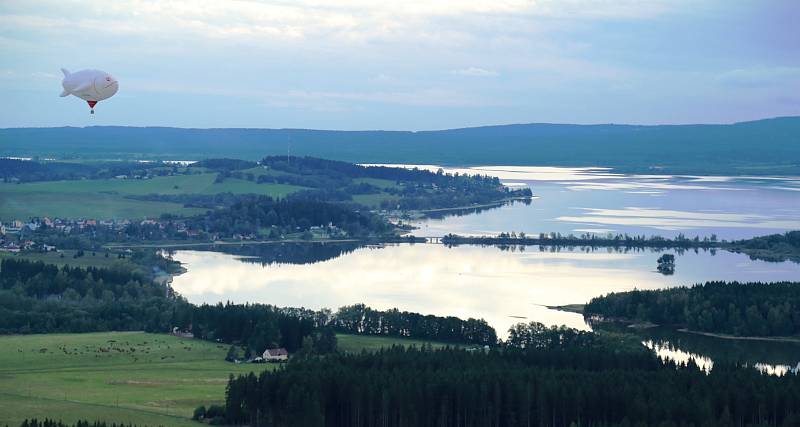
<point>16,170</point>
<point>764,146</point>
<point>250,215</point>
<point>587,386</point>
<point>774,247</point>
<point>744,309</point>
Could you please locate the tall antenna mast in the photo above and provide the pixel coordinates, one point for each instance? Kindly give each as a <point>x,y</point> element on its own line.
<point>288,139</point>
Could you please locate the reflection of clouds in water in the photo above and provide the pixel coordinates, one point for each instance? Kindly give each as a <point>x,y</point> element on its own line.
<point>677,220</point>
<point>528,173</point>
<point>600,178</point>
<point>778,370</point>
<point>658,184</point>
<point>465,281</point>
<point>667,351</point>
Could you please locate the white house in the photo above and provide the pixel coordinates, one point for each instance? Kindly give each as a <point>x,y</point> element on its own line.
<point>275,354</point>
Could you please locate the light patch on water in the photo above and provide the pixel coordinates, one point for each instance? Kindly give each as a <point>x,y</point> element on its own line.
<point>668,352</point>
<point>654,184</point>
<point>666,219</point>
<point>779,370</point>
<point>652,192</point>
<point>528,173</point>
<point>465,281</point>
<point>665,351</point>
<point>594,230</point>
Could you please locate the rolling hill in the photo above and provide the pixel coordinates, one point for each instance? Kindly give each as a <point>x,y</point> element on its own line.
<point>770,146</point>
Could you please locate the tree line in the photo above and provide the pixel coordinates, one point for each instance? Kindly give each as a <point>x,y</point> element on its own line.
<point>362,320</point>
<point>570,385</point>
<point>587,239</point>
<point>774,247</point>
<point>743,309</point>
<point>42,298</point>
<point>415,189</point>
<point>254,214</point>
<point>16,170</point>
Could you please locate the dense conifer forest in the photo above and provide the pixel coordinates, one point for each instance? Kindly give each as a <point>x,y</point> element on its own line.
<point>744,309</point>
<point>362,320</point>
<point>43,298</point>
<point>571,385</point>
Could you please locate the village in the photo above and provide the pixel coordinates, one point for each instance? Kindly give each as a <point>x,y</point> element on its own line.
<point>38,234</point>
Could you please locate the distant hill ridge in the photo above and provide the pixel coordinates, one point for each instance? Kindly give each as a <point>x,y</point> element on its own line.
<point>770,146</point>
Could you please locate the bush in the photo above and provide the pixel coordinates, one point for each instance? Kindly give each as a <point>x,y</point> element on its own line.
<point>199,413</point>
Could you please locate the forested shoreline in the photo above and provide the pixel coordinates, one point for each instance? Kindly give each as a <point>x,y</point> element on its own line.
<point>771,248</point>
<point>559,383</point>
<point>42,298</point>
<point>739,309</point>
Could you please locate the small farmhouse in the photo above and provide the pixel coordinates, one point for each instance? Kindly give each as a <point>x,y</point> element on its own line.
<point>275,354</point>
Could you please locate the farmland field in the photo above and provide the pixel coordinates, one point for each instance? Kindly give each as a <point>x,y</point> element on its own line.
<point>118,376</point>
<point>87,260</point>
<point>105,198</point>
<point>131,377</point>
<point>357,343</point>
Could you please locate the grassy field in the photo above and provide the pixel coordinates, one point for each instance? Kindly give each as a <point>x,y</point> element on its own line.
<point>357,343</point>
<point>121,376</point>
<point>131,377</point>
<point>105,199</point>
<point>88,260</point>
<point>16,205</point>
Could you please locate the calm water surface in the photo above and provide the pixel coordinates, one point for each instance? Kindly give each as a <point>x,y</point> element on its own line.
<point>584,200</point>
<point>502,286</point>
<point>508,286</point>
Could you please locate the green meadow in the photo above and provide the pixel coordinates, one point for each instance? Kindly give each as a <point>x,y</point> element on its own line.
<point>87,260</point>
<point>118,376</point>
<point>105,198</point>
<point>130,377</point>
<point>357,343</point>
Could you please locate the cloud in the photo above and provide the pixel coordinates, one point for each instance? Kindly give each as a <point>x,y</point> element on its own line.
<point>760,77</point>
<point>345,20</point>
<point>560,60</point>
<point>45,75</point>
<point>475,72</point>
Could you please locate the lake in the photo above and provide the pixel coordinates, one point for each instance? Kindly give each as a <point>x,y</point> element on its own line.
<point>593,200</point>
<point>517,284</point>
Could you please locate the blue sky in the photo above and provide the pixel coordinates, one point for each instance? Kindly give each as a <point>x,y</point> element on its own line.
<point>411,64</point>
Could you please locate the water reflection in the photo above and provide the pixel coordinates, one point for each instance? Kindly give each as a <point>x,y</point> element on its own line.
<point>444,213</point>
<point>666,351</point>
<point>466,281</point>
<point>287,253</point>
<point>771,357</point>
<point>575,200</point>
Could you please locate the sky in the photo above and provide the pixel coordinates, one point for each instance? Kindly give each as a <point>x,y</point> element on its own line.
<point>404,65</point>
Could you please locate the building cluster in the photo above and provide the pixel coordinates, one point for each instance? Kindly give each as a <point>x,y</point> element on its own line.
<point>63,225</point>
<point>17,235</point>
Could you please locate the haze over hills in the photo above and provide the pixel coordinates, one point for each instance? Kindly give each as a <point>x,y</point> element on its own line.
<point>770,146</point>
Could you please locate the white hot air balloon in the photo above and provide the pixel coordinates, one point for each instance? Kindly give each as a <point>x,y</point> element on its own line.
<point>91,86</point>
